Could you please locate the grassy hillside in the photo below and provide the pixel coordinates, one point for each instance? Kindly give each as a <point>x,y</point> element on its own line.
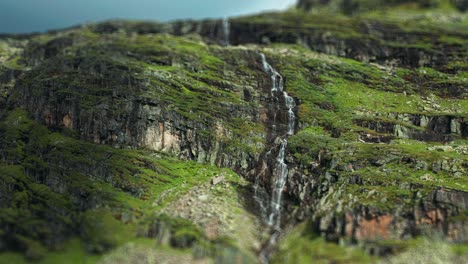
<point>128,139</point>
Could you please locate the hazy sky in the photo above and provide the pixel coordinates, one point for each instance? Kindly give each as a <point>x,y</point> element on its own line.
<point>20,16</point>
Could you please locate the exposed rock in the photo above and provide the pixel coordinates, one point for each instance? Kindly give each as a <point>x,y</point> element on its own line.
<point>217,180</point>
<point>122,118</point>
<point>449,198</point>
<point>219,212</point>
<point>427,177</point>
<point>340,216</point>
<point>436,128</point>
<point>136,253</point>
<point>441,148</point>
<point>357,6</point>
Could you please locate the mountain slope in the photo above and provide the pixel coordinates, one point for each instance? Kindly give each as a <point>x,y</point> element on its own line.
<point>119,134</point>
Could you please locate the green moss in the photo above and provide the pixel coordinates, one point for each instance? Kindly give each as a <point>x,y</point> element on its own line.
<point>100,231</point>
<point>57,182</point>
<point>418,26</point>
<point>11,257</point>
<point>14,63</point>
<point>72,252</point>
<point>387,180</point>
<point>311,143</point>
<point>95,176</point>
<point>200,83</point>
<point>294,22</point>
<point>460,250</point>
<point>425,250</point>
<point>334,92</point>
<point>302,246</point>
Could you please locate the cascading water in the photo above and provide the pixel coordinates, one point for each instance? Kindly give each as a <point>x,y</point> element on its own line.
<point>226,31</point>
<point>271,207</point>
<point>280,171</point>
<point>276,78</point>
<point>280,174</point>
<point>290,104</point>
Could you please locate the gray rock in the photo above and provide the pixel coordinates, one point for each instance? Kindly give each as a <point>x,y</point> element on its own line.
<point>203,198</point>
<point>217,180</point>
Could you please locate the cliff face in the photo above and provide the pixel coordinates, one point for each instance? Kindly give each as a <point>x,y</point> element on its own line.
<point>115,125</point>
<point>359,6</point>
<point>140,92</point>
<point>391,42</point>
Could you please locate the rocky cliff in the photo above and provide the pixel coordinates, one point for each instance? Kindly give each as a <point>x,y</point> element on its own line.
<point>118,134</point>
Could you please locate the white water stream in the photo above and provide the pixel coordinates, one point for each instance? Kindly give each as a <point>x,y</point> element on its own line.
<point>280,171</point>
<point>271,207</point>
<point>226,31</point>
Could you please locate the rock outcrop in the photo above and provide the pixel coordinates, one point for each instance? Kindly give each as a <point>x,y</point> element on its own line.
<point>359,6</point>
<point>136,107</point>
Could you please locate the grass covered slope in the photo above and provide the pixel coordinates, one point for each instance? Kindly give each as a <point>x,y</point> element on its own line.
<point>401,35</point>
<point>181,76</point>
<point>366,153</point>
<point>107,133</point>
<point>55,188</point>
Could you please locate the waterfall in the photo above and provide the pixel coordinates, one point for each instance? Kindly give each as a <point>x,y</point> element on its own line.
<point>276,78</point>
<point>280,174</point>
<point>226,31</point>
<point>271,206</point>
<point>290,104</point>
<point>280,171</point>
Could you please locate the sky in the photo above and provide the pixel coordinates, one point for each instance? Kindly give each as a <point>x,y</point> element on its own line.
<point>25,16</point>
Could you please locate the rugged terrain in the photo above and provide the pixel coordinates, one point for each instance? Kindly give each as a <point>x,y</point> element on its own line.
<point>127,141</point>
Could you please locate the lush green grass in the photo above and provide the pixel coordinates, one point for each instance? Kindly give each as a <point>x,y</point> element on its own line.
<point>335,91</point>
<point>424,29</point>
<point>102,195</point>
<point>86,199</point>
<point>302,246</point>
<point>202,84</point>
<point>389,175</point>
<point>14,63</point>
<point>73,252</point>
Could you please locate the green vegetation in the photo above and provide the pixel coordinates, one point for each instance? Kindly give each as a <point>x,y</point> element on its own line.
<point>338,98</point>
<point>302,246</point>
<point>56,184</point>
<point>429,250</point>
<point>338,94</point>
<point>400,35</point>
<point>199,84</point>
<point>72,252</point>
<point>311,143</point>
<point>382,102</point>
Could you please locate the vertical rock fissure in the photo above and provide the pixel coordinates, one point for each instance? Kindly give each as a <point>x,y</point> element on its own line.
<point>271,205</point>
